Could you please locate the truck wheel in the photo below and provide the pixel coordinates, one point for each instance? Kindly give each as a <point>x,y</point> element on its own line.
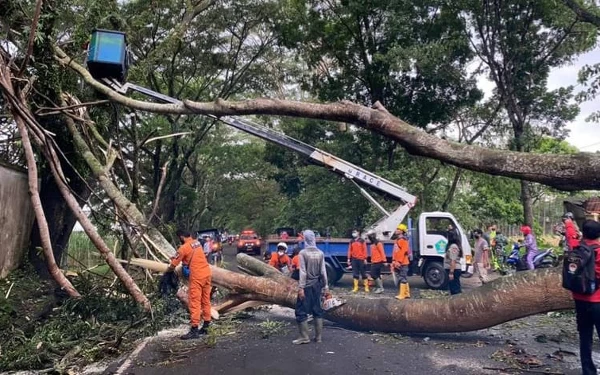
<point>332,275</point>
<point>435,275</point>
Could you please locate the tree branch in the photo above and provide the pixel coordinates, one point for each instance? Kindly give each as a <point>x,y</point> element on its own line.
<point>32,173</point>
<point>34,24</point>
<point>583,14</point>
<point>163,177</point>
<point>565,172</point>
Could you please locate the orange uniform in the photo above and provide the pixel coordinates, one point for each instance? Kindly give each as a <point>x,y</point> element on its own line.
<point>296,262</point>
<point>280,261</point>
<point>357,250</point>
<point>400,254</point>
<point>377,253</point>
<point>191,254</point>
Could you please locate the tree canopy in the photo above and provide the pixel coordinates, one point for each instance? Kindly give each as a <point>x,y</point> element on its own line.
<point>413,61</point>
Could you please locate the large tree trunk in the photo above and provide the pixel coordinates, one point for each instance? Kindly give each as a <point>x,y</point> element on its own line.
<point>32,174</point>
<point>527,202</point>
<point>566,172</point>
<point>61,220</point>
<point>502,300</point>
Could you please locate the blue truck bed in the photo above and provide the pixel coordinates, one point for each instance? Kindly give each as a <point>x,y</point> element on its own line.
<point>335,250</point>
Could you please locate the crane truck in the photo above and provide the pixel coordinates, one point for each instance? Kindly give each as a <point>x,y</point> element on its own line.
<point>109,63</point>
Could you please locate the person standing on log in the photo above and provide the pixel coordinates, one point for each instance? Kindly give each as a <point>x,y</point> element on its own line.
<point>313,281</point>
<point>400,261</point>
<point>357,258</point>
<point>192,256</point>
<point>587,306</point>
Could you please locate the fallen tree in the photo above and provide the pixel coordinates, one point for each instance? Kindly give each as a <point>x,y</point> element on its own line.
<point>503,300</point>
<point>565,172</point>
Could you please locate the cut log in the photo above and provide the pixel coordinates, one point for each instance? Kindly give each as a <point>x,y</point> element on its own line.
<point>503,300</point>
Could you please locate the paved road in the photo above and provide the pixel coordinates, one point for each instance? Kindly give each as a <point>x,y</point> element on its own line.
<point>241,348</point>
<point>244,346</point>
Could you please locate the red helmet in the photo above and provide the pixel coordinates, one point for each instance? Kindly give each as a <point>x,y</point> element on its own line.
<point>526,229</point>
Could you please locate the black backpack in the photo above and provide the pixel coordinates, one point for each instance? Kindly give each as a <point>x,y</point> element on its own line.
<point>579,269</point>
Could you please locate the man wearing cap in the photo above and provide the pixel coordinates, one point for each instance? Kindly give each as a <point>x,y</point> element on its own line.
<point>587,306</point>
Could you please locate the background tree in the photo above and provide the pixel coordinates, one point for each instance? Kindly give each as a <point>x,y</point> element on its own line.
<point>519,42</point>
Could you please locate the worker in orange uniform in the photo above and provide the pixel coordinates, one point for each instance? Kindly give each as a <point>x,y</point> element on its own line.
<point>357,258</point>
<point>192,256</point>
<point>280,259</point>
<point>296,264</point>
<point>400,261</point>
<point>378,260</point>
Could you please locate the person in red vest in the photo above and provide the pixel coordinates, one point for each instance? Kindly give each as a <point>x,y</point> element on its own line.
<point>587,306</point>
<point>572,234</point>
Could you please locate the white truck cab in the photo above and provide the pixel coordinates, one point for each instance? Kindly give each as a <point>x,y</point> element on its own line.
<point>428,241</point>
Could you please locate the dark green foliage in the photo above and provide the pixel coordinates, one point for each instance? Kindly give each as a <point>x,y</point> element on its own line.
<point>38,327</point>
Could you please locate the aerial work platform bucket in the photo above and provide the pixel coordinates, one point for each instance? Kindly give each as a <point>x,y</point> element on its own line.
<point>107,55</point>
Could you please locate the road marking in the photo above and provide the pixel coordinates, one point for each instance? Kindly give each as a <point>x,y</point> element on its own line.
<point>132,356</point>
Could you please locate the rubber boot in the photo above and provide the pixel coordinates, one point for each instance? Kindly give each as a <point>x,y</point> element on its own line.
<point>318,322</point>
<point>400,292</point>
<point>303,334</point>
<point>194,333</point>
<point>355,289</point>
<point>204,329</point>
<point>366,284</point>
<point>407,291</point>
<point>379,289</point>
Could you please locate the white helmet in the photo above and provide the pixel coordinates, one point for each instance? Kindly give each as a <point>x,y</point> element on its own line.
<point>282,244</point>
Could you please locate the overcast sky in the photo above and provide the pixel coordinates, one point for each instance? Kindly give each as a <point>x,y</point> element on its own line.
<point>584,135</point>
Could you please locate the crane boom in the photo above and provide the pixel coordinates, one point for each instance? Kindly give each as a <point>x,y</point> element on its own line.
<point>350,171</point>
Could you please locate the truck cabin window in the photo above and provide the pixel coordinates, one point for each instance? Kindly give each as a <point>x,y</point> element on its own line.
<point>439,225</point>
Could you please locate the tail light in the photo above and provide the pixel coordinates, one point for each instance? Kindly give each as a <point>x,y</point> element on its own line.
<point>257,243</point>
<point>240,244</point>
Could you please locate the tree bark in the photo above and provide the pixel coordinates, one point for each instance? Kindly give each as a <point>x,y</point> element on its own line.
<point>61,219</point>
<point>572,172</point>
<point>42,224</point>
<point>32,174</point>
<point>452,191</point>
<point>503,300</point>
<point>125,205</point>
<point>527,202</point>
<point>582,13</point>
